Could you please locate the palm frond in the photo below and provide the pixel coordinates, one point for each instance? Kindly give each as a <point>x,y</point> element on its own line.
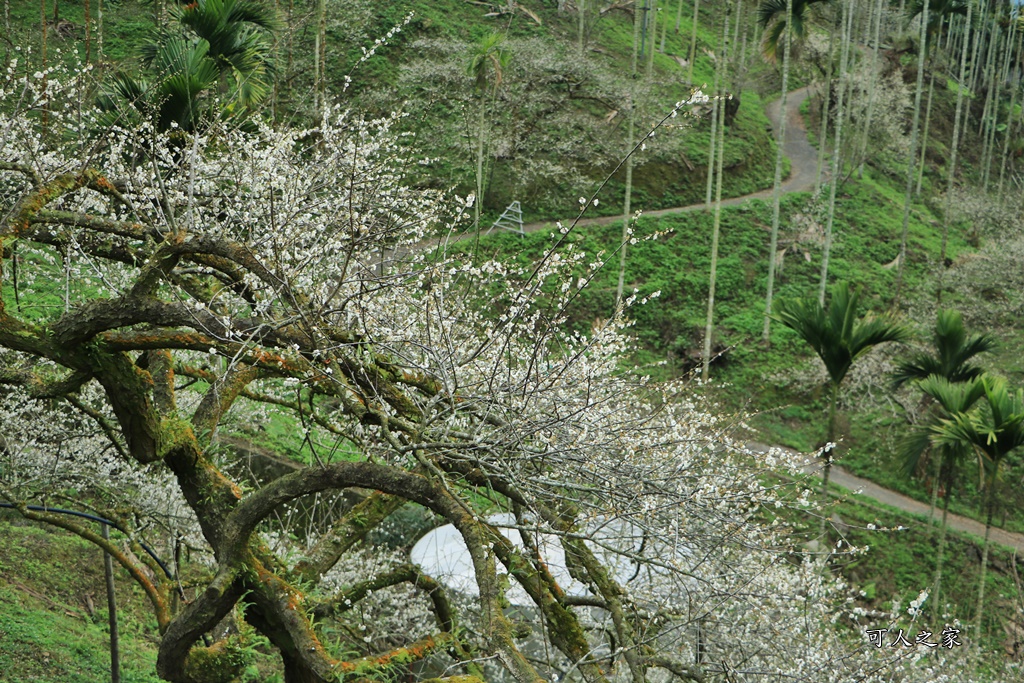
<point>486,55</point>
<point>953,397</point>
<point>956,430</point>
<point>953,349</point>
<point>917,366</point>
<point>771,48</point>
<point>253,14</point>
<point>122,100</point>
<point>769,9</point>
<point>937,8</point>
<point>911,451</point>
<point>837,335</point>
<point>993,429</point>
<point>873,331</point>
<point>236,31</point>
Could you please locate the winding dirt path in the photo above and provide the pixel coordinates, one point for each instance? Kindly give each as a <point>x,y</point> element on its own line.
<point>868,489</point>
<point>803,160</point>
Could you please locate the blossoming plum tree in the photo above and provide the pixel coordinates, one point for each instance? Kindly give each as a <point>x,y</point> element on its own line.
<point>158,287</point>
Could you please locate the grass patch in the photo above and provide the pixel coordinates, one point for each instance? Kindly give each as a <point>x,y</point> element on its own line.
<point>53,617</point>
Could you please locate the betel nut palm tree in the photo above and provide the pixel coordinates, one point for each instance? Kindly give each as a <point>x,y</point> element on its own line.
<point>948,378</point>
<point>780,144</point>
<point>212,45</point>
<point>953,350</point>
<point>993,430</point>
<point>951,398</point>
<point>488,60</point>
<point>839,336</point>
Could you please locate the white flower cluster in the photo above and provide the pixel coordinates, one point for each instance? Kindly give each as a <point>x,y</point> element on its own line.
<point>61,457</point>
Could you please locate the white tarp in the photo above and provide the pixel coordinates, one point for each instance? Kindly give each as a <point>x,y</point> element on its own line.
<point>442,554</point>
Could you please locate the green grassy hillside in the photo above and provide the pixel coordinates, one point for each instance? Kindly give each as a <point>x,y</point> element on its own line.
<point>53,611</point>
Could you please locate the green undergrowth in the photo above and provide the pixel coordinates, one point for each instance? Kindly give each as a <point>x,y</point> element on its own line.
<point>53,611</point>
<point>54,620</point>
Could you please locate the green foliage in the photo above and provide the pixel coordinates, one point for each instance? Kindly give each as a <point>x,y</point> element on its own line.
<point>209,43</point>
<point>838,335</point>
<point>938,10</point>
<point>675,265</point>
<point>953,349</point>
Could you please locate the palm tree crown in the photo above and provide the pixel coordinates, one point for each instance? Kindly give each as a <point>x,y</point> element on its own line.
<point>182,73</point>
<point>953,349</point>
<point>775,10</point>
<point>837,335</point>
<point>223,41</point>
<point>238,34</point>
<point>995,430</point>
<point>488,56</point>
<point>953,398</point>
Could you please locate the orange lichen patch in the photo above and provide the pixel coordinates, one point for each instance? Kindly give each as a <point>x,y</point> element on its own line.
<point>101,184</point>
<point>272,360</point>
<point>291,598</point>
<point>175,433</point>
<point>285,595</point>
<point>556,590</point>
<point>420,380</point>
<point>403,655</point>
<point>192,371</point>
